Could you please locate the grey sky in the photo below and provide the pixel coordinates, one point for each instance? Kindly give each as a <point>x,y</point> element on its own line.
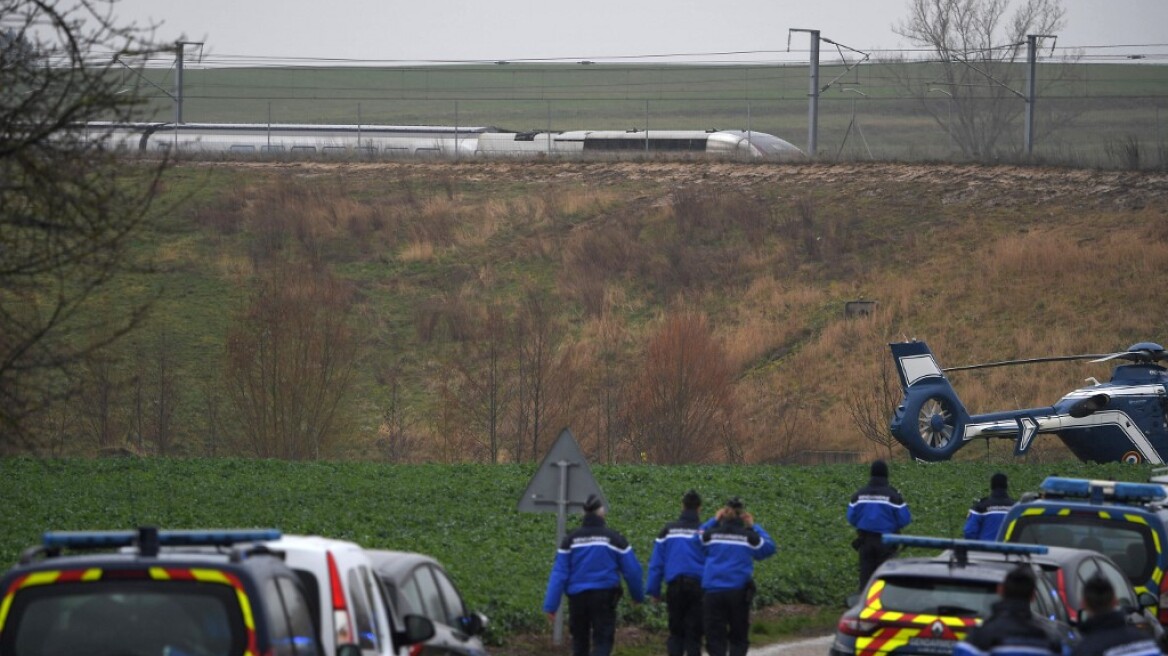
<point>411,30</point>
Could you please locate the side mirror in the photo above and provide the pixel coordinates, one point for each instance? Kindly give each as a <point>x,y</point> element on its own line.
<point>1147,600</point>
<point>418,629</point>
<point>473,624</point>
<point>852,599</point>
<point>348,649</point>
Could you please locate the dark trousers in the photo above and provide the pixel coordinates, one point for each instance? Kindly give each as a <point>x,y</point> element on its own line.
<point>726,617</point>
<point>592,621</point>
<point>873,553</point>
<point>684,599</point>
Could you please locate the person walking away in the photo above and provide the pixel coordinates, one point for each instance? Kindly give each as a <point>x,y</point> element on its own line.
<point>678,560</point>
<point>1106,631</point>
<point>1012,628</point>
<point>986,515</point>
<point>732,544</point>
<point>589,565</point>
<point>874,510</point>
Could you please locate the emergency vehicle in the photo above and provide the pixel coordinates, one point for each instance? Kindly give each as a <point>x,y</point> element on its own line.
<point>924,606</point>
<point>118,593</point>
<point>1124,521</point>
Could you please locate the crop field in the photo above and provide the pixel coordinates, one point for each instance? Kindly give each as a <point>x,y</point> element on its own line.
<point>1093,115</point>
<point>465,515</point>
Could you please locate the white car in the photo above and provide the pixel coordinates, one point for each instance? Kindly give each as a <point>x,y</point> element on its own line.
<point>417,583</point>
<point>348,601</point>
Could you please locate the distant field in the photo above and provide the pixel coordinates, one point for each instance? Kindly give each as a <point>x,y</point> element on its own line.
<point>865,113</point>
<point>465,514</point>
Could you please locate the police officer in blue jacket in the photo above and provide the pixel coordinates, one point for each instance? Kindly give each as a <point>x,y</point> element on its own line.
<point>732,544</point>
<point>678,559</point>
<point>1012,629</point>
<point>589,565</point>
<point>986,515</point>
<point>1105,630</point>
<point>876,509</point>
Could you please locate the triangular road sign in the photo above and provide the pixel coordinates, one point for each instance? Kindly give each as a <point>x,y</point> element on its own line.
<point>564,459</point>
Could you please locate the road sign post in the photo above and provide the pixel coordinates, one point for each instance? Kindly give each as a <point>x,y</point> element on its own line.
<point>562,483</point>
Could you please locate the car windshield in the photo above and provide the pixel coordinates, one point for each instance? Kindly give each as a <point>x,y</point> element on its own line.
<point>1129,544</point>
<point>952,597</point>
<point>116,618</point>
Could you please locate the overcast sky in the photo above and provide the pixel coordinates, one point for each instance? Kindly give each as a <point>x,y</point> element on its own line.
<point>439,30</point>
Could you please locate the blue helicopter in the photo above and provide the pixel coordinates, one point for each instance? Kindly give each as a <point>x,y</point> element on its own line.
<point>1122,420</point>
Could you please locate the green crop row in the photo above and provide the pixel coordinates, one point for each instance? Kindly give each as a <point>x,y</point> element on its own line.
<point>465,515</point>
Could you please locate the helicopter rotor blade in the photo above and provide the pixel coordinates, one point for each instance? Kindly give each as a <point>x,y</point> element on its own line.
<point>1060,358</point>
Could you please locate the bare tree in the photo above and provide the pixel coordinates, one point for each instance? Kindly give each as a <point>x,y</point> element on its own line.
<point>537,339</point>
<point>483,383</point>
<point>291,357</point>
<point>99,404</point>
<point>164,393</point>
<point>606,385</point>
<point>396,438</point>
<point>871,405</point>
<point>682,399</point>
<point>978,45</point>
<point>68,206</point>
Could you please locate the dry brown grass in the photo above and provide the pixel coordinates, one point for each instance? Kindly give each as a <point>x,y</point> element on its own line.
<point>983,263</point>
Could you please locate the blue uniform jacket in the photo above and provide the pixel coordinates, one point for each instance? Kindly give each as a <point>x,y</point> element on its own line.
<point>676,552</point>
<point>1109,634</point>
<point>593,557</point>
<point>1011,630</point>
<point>986,515</point>
<point>878,508</point>
<point>731,549</point>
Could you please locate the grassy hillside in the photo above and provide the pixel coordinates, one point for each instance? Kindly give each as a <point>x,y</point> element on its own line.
<point>984,263</point>
<point>465,514</point>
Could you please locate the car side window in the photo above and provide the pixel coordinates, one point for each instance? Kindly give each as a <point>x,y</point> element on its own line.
<point>279,630</point>
<point>299,613</point>
<point>412,596</point>
<point>1124,594</point>
<point>1087,570</point>
<point>432,606</point>
<point>362,616</point>
<point>378,608</point>
<point>1046,602</point>
<point>455,609</point>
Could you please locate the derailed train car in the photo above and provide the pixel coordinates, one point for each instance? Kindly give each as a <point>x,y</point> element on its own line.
<point>304,140</point>
<point>729,144</point>
<point>291,139</point>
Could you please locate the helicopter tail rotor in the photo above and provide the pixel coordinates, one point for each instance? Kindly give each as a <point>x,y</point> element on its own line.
<point>930,420</point>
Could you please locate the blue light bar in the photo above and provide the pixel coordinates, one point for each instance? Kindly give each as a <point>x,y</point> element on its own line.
<point>968,545</point>
<point>1109,490</point>
<point>183,538</point>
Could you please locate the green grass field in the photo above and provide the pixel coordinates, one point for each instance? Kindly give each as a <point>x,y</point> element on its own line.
<point>465,515</point>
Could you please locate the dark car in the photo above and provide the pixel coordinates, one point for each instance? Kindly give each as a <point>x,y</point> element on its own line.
<point>418,584</point>
<point>75,595</point>
<point>1067,570</point>
<point>924,606</point>
<point>1127,522</point>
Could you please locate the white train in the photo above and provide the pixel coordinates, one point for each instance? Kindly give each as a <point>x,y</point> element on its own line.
<point>296,140</point>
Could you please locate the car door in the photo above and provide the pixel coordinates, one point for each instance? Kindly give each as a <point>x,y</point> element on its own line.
<point>424,597</point>
<point>455,610</point>
<point>369,612</point>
